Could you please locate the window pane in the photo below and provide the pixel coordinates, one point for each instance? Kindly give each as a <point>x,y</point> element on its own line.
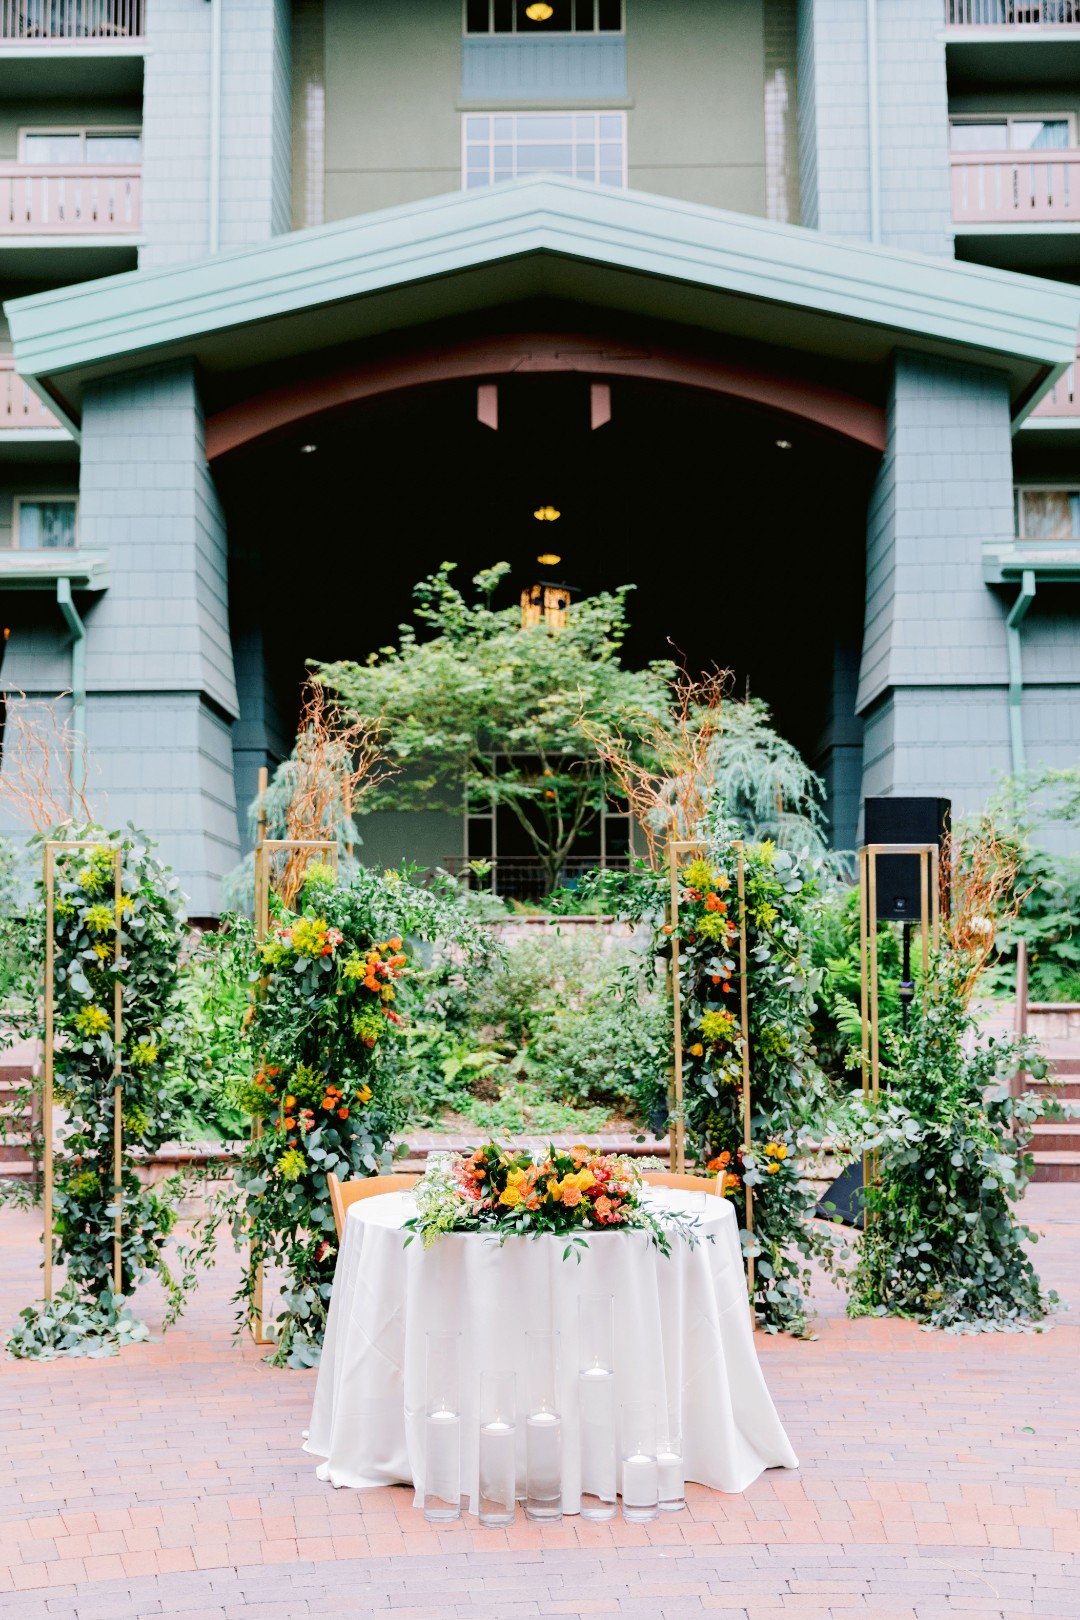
<point>504,129</point>
<point>611,177</point>
<point>540,159</point>
<point>504,16</point>
<point>476,129</point>
<point>47,525</point>
<point>585,128</point>
<point>1038,133</point>
<point>53,148</point>
<point>583,16</point>
<point>1050,514</point>
<point>989,137</point>
<point>476,17</point>
<point>611,127</point>
<point>545,127</point>
<point>478,157</point>
<point>611,157</point>
<point>113,148</point>
<point>609,15</point>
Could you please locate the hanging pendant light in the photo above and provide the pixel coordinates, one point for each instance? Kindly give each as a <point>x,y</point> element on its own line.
<point>539,12</point>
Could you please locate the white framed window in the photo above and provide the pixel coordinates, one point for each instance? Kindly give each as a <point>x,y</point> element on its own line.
<point>506,146</point>
<point>546,17</point>
<point>1012,132</point>
<point>46,522</point>
<point>1047,513</point>
<point>67,144</point>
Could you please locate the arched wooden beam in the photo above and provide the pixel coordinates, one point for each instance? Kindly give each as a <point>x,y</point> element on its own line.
<point>282,408</point>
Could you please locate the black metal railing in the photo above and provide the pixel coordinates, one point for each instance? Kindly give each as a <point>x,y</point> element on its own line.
<point>1011,13</point>
<point>95,21</point>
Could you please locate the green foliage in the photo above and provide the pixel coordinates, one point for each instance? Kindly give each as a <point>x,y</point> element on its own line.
<point>1048,887</point>
<point>324,1096</point>
<point>70,1325</point>
<point>206,1072</point>
<point>942,1244</point>
<point>495,707</point>
<point>86,975</point>
<point>834,946</point>
<point>554,1038</point>
<point>764,783</point>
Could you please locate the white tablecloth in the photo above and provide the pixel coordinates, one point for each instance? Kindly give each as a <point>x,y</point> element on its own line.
<point>683,1339</point>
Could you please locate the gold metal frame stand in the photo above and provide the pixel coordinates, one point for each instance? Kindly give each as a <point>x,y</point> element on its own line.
<point>53,847</point>
<point>264,849</point>
<point>675,848</point>
<point>930,929</point>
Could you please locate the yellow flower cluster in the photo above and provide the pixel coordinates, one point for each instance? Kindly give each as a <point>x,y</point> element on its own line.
<point>92,1021</point>
<point>291,1165</point>
<point>774,1151</point>
<point>100,918</point>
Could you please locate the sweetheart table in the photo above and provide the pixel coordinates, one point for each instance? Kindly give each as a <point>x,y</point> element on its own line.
<point>683,1340</point>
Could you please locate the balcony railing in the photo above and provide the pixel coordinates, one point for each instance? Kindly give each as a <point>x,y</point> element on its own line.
<point>1062,400</point>
<point>1020,188</point>
<point>84,22</point>
<point>1011,13</point>
<point>19,407</point>
<point>43,199</point>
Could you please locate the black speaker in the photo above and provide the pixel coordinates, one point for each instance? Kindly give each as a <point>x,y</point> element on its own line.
<point>903,821</point>
<point>845,1199</point>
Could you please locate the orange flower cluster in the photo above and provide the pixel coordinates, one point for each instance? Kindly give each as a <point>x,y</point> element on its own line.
<point>595,1186</point>
<point>380,968</point>
<point>718,1167</point>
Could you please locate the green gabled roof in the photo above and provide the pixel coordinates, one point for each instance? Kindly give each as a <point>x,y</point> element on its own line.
<point>630,251</point>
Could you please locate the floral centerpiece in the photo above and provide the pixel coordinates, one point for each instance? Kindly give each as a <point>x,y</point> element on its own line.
<point>564,1191</point>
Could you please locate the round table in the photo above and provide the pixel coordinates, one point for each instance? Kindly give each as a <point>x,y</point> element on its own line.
<point>683,1339</point>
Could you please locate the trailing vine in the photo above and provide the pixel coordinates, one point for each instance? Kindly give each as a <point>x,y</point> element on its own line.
<point>324,1098</point>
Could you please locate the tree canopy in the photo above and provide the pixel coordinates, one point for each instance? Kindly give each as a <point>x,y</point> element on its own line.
<point>482,711</point>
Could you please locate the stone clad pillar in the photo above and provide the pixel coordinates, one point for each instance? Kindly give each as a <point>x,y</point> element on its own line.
<point>161,689</point>
<point>933,682</point>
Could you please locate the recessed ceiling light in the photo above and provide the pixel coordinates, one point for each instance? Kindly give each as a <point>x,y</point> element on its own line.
<point>783,444</point>
<point>308,449</point>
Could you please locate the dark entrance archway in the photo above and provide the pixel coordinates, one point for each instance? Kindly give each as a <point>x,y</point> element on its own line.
<point>742,528</point>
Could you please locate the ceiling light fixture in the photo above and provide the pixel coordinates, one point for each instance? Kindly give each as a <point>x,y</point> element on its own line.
<point>548,559</point>
<point>539,12</point>
<point>308,449</point>
<point>783,444</point>
<point>546,514</point>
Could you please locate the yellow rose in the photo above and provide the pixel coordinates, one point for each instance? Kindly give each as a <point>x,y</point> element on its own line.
<point>772,1168</point>
<point>781,1152</point>
<point>510,1196</point>
<point>581,1179</point>
<point>555,1189</point>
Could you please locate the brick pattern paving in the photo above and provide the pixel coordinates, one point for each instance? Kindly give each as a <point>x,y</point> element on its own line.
<point>939,1476</point>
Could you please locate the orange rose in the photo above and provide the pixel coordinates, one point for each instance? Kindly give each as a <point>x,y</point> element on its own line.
<point>571,1196</point>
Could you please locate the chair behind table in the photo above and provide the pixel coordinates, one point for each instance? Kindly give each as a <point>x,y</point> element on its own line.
<point>344,1193</point>
<point>680,1181</point>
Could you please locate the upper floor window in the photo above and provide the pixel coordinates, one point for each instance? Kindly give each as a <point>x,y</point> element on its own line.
<point>73,145</point>
<point>46,522</point>
<point>543,16</point>
<point>583,146</point>
<point>1020,132</point>
<point>1048,514</point>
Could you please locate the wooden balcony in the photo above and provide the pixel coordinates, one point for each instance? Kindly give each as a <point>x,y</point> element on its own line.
<point>19,405</point>
<point>70,200</point>
<point>1016,188</point>
<point>1012,13</point>
<point>103,23</point>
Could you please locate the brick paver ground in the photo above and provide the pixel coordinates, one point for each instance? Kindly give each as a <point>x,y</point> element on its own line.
<point>939,1476</point>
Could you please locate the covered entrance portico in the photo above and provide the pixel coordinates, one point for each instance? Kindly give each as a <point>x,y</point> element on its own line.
<point>798,450</point>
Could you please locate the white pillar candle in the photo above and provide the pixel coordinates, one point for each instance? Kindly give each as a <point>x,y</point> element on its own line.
<point>640,1487</point>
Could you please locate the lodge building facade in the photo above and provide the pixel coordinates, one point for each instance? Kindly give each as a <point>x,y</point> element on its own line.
<point>302,298</point>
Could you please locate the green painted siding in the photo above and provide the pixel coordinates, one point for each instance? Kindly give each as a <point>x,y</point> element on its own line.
<point>393,112</point>
<point>696,76</point>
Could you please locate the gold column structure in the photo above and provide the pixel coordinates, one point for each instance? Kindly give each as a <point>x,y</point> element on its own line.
<point>264,848</point>
<point>930,930</point>
<point>686,846</point>
<point>52,847</point>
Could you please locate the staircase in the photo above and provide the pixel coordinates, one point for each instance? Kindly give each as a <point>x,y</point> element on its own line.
<point>17,1111</point>
<point>1054,1144</point>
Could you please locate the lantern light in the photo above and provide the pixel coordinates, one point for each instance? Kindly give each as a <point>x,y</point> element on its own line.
<point>539,12</point>
<point>547,514</point>
<point>547,602</point>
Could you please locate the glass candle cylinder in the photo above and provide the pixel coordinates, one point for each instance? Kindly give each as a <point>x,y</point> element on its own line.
<point>671,1476</point>
<point>498,1448</point>
<point>640,1483</point>
<point>596,1406</point>
<point>442,1436</point>
<point>543,1429</point>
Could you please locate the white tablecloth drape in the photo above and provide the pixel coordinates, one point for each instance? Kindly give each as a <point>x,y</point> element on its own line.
<point>683,1340</point>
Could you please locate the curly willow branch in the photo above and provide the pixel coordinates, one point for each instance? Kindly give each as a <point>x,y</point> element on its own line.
<point>39,760</point>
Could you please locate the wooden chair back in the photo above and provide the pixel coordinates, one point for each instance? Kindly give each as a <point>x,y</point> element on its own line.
<point>681,1182</point>
<point>344,1193</point>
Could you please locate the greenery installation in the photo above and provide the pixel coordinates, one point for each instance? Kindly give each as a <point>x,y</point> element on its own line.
<point>326,1100</point>
<point>942,1243</point>
<point>86,1317</point>
<point>487,709</point>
